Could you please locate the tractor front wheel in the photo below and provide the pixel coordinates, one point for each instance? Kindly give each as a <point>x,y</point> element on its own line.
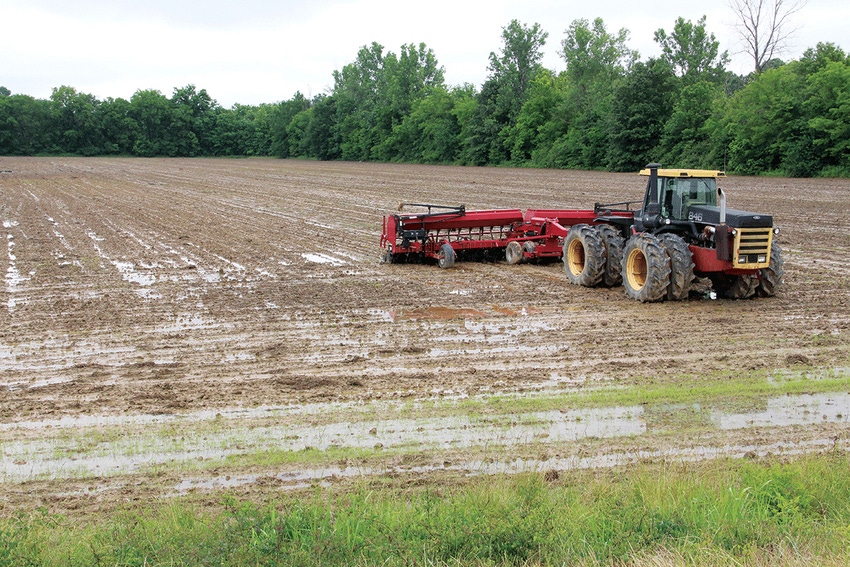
<point>584,256</point>
<point>770,278</point>
<point>446,256</point>
<point>646,268</point>
<point>735,287</point>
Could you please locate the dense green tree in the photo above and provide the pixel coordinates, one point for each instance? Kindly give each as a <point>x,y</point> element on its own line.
<point>322,132</point>
<point>529,135</point>
<point>511,72</point>
<point>643,102</point>
<point>692,52</point>
<point>26,125</point>
<point>596,61</point>
<point>605,110</point>
<point>827,108</point>
<point>763,119</point>
<point>280,115</point>
<point>296,133</point>
<point>550,96</point>
<point>77,128</point>
<point>430,133</point>
<point>687,140</point>
<point>407,80</point>
<point>154,117</point>
<point>118,128</point>
<point>195,114</point>
<point>356,88</point>
<point>517,64</point>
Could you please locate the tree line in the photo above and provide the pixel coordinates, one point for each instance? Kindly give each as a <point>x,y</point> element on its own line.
<point>607,110</point>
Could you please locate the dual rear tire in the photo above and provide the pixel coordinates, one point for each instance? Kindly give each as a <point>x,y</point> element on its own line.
<point>651,268</point>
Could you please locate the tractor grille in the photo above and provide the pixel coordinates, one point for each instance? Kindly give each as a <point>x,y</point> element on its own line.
<point>752,248</point>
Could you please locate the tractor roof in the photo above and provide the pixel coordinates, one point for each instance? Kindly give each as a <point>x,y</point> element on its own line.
<point>686,173</point>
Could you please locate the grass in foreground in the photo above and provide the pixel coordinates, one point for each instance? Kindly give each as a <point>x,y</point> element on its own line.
<point>714,513</point>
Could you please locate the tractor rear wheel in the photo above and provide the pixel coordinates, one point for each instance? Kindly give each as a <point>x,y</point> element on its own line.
<point>513,252</point>
<point>770,278</point>
<point>681,266</point>
<point>446,256</point>
<point>584,256</point>
<point>646,268</point>
<point>613,240</point>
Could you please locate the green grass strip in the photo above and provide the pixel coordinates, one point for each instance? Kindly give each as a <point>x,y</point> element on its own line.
<point>714,513</point>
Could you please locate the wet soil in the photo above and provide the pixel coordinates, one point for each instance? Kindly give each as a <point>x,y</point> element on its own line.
<point>167,287</point>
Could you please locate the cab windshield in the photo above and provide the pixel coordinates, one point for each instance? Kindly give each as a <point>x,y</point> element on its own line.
<point>678,194</point>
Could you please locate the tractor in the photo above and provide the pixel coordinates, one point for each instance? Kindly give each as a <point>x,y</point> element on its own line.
<point>683,230</point>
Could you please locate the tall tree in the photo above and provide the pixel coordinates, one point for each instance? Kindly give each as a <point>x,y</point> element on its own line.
<point>518,63</point>
<point>692,52</point>
<point>26,125</point>
<point>152,113</point>
<point>505,91</point>
<point>595,57</point>
<point>827,108</point>
<point>596,61</point>
<point>76,126</point>
<point>357,88</point>
<point>643,103</point>
<point>765,27</point>
<point>195,117</point>
<point>763,119</point>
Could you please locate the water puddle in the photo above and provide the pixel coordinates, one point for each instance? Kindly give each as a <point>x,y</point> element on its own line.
<point>292,480</point>
<point>98,445</point>
<point>800,409</point>
<point>318,258</point>
<point>14,279</point>
<point>439,314</point>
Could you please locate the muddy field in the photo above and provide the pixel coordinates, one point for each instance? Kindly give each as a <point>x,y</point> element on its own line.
<point>157,315</point>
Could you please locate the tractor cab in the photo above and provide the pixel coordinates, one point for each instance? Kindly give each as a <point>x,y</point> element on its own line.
<point>670,193</point>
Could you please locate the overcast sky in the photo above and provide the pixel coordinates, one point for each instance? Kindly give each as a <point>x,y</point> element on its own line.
<point>256,51</point>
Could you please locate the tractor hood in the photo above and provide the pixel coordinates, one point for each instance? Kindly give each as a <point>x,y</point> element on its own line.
<point>706,214</point>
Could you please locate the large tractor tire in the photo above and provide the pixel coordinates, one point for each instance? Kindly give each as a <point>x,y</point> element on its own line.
<point>513,252</point>
<point>770,278</point>
<point>681,266</point>
<point>614,242</point>
<point>646,268</point>
<point>584,256</point>
<point>735,287</point>
<point>446,256</point>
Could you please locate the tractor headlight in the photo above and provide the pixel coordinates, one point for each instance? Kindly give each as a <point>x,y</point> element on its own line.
<point>734,232</point>
<point>762,258</point>
<point>776,230</point>
<point>742,259</point>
